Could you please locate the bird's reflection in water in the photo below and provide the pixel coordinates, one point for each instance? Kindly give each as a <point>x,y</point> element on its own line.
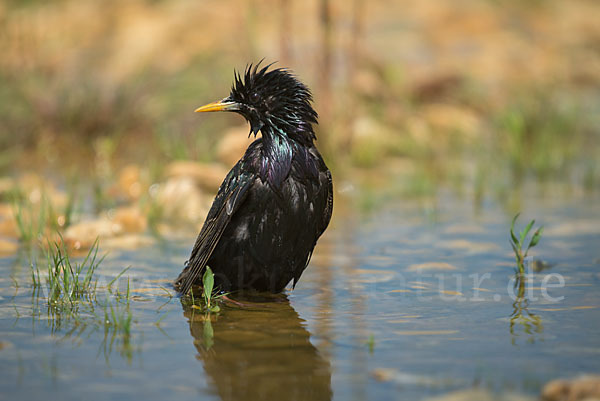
<point>260,352</point>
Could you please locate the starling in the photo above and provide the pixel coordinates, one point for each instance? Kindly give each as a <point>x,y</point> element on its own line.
<point>276,201</point>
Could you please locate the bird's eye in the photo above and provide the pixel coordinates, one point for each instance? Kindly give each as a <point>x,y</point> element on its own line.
<point>254,97</point>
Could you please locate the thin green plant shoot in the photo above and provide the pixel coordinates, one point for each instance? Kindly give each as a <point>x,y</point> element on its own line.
<point>73,297</point>
<point>371,343</point>
<point>518,243</point>
<point>68,281</point>
<point>209,293</point>
<point>32,221</point>
<point>208,281</point>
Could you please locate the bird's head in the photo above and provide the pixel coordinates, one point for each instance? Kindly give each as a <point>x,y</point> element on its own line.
<point>274,102</point>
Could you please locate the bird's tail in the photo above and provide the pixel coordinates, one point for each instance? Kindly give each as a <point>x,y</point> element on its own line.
<point>183,282</point>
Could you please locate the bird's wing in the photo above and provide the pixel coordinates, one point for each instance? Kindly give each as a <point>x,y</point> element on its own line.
<point>329,206</point>
<point>231,195</point>
<point>325,198</point>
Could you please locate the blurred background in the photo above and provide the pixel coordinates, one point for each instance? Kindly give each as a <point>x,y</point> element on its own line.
<point>440,121</point>
<point>478,96</point>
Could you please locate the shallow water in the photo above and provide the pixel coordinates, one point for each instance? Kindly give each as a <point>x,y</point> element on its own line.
<point>407,302</point>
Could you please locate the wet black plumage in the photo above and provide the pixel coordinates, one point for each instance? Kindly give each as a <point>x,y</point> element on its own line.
<point>276,201</point>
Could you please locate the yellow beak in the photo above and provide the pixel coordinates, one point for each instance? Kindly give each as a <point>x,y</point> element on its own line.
<point>221,105</point>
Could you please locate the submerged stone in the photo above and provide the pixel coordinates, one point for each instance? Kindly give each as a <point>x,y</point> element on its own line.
<point>130,219</point>
<point>128,241</point>
<point>129,183</point>
<point>477,394</point>
<point>180,199</point>
<point>581,388</point>
<point>206,175</point>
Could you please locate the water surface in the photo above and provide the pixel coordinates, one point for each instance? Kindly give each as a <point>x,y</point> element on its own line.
<point>409,301</point>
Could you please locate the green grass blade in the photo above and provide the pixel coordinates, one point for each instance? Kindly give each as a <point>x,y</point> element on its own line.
<point>525,231</point>
<point>512,229</point>
<point>117,277</point>
<point>536,237</point>
<point>87,257</point>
